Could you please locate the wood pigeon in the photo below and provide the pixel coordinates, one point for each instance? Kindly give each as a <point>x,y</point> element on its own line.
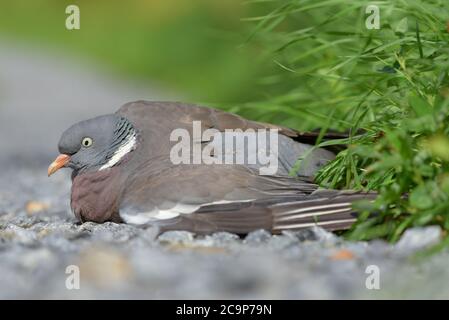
<point>124,171</point>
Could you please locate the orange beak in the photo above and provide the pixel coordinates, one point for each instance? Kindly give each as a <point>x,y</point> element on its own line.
<point>59,162</point>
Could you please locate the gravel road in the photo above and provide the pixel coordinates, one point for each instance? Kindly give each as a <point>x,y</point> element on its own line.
<point>40,95</point>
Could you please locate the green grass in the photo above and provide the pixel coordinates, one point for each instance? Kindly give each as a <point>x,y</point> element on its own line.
<point>391,84</point>
<point>305,64</point>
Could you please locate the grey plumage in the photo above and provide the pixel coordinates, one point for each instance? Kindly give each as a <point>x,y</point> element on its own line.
<point>312,159</point>
<point>145,187</point>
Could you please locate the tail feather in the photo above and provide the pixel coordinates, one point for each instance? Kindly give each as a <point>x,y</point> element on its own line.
<point>328,225</point>
<point>313,211</point>
<point>331,210</point>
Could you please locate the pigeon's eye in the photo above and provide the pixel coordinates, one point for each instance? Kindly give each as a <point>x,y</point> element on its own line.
<point>87,142</point>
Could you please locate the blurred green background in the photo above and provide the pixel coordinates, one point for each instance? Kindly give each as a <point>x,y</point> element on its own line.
<point>193,47</point>
<point>297,59</point>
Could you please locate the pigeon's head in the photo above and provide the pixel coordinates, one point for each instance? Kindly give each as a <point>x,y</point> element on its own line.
<point>95,144</point>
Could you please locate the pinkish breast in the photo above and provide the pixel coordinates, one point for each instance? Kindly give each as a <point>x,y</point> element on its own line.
<point>95,195</point>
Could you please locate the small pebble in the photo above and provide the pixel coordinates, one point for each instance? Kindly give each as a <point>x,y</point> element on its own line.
<point>33,207</point>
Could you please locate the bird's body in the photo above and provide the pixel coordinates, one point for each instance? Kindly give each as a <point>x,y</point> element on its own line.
<point>124,172</point>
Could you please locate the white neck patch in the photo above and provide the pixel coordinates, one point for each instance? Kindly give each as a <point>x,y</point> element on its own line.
<point>122,151</point>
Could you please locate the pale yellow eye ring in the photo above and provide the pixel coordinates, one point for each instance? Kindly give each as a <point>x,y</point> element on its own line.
<point>87,142</point>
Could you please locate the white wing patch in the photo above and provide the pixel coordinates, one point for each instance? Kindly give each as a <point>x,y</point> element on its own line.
<point>160,215</point>
<point>140,218</point>
<point>122,151</point>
